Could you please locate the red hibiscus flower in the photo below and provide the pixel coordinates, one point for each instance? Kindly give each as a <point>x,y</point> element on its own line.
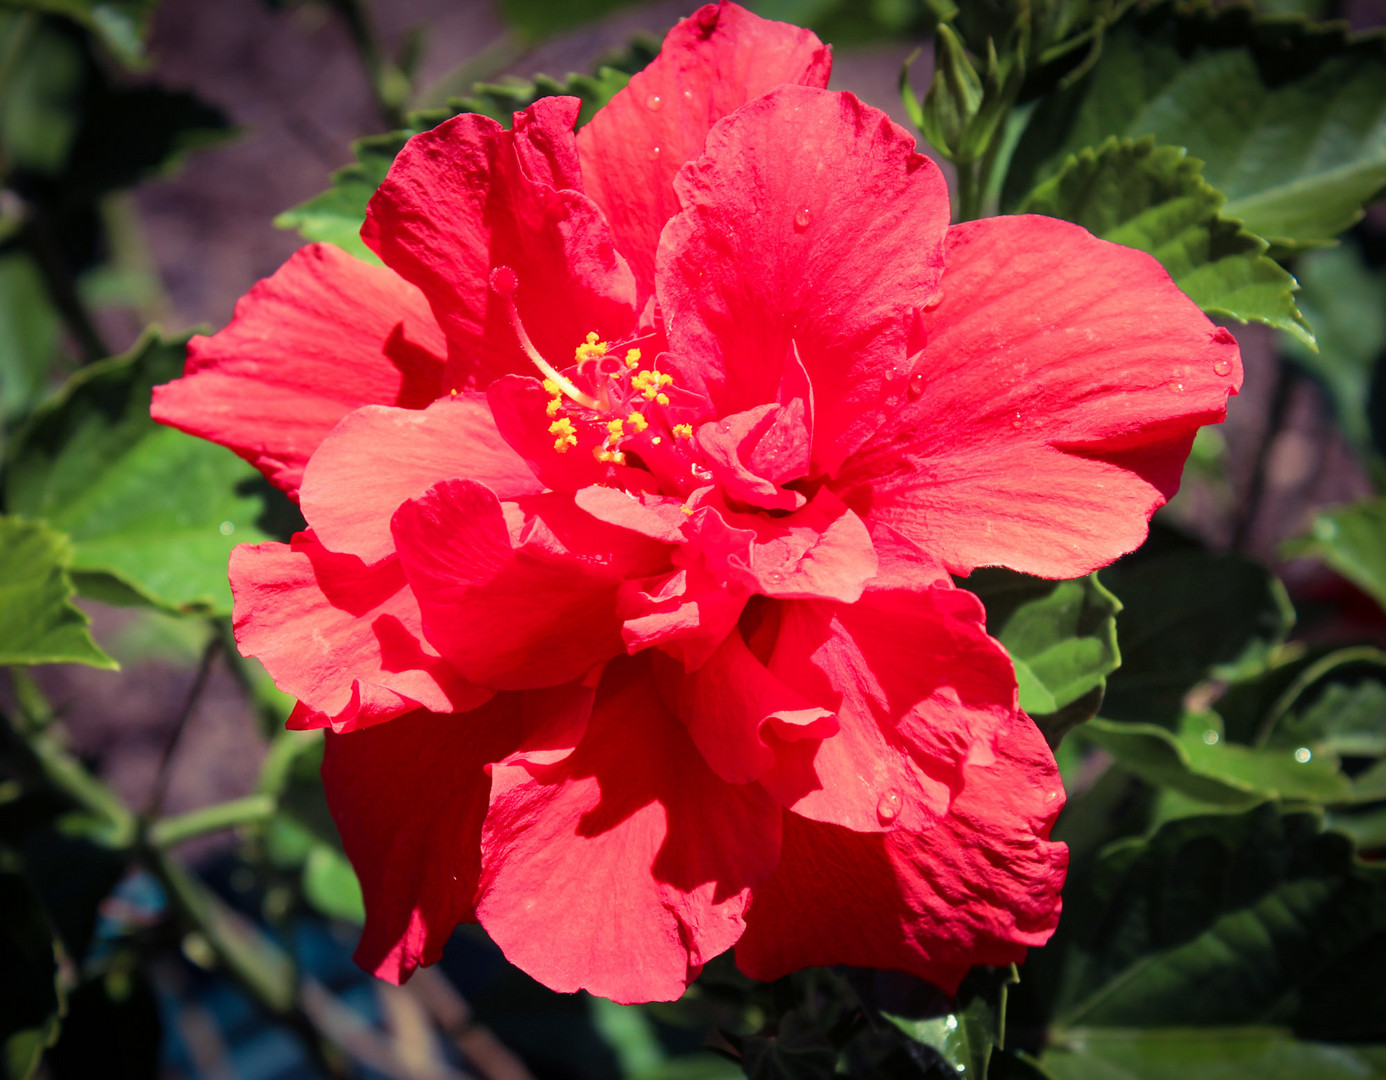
<point>634,481</point>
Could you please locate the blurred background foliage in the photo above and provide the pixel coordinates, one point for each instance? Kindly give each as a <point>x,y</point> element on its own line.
<point>174,900</point>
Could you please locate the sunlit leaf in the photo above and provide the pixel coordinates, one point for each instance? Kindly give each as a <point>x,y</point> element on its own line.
<point>39,624</point>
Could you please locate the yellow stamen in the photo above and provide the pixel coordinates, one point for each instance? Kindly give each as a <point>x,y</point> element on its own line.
<point>551,387</point>
<point>632,358</point>
<point>567,434</point>
<point>687,509</point>
<point>661,399</point>
<point>553,406</point>
<point>637,422</point>
<point>616,427</point>
<point>592,349</point>
<point>683,431</point>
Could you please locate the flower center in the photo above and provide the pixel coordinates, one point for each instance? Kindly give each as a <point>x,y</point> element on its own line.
<point>611,400</point>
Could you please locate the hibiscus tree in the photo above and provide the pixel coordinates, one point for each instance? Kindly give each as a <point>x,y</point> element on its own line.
<point>635,480</point>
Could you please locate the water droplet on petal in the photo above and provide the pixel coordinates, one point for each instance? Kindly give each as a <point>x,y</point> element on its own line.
<point>774,577</point>
<point>1017,421</point>
<point>1176,386</point>
<point>654,103</point>
<point>1050,796</point>
<point>916,386</point>
<point>1304,755</point>
<point>888,805</point>
<point>1222,367</point>
<point>654,153</point>
<point>802,218</point>
<point>934,301</point>
<point>688,95</point>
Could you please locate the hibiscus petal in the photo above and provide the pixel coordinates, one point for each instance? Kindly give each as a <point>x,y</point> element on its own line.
<point>732,702</point>
<point>470,196</point>
<point>1059,392</point>
<point>752,453</point>
<point>325,335</point>
<point>624,869</point>
<point>378,457</point>
<point>520,596</point>
<point>343,637</point>
<point>821,550</point>
<point>409,799</point>
<point>710,64</point>
<point>918,688</point>
<point>979,887</point>
<point>811,222</point>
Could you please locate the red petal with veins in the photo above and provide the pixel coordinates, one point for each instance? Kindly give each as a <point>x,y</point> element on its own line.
<point>344,638</point>
<point>409,799</point>
<point>738,712</point>
<point>917,685</point>
<point>470,196</point>
<point>1054,405</point>
<point>377,458</point>
<point>521,595</point>
<point>809,222</point>
<point>325,335</point>
<point>710,64</point>
<point>618,880</point>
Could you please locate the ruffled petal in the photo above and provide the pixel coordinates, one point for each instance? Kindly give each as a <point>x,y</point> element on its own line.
<point>710,64</point>
<point>409,799</point>
<point>627,866</point>
<point>733,703</point>
<point>811,222</point>
<point>344,638</point>
<point>822,550</point>
<point>1053,407</point>
<point>378,457</point>
<point>518,596</point>
<point>470,196</point>
<point>325,335</point>
<point>979,887</point>
<point>918,688</point>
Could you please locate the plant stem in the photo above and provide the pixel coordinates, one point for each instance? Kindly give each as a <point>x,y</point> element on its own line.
<point>199,683</point>
<point>247,810</point>
<point>969,192</point>
<point>1256,487</point>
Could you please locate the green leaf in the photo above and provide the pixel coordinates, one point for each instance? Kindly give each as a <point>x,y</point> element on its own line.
<point>40,102</point>
<point>39,624</point>
<point>151,507</point>
<point>1249,1053</point>
<point>335,216</point>
<point>1225,921</point>
<point>1345,302</point>
<point>966,1038</point>
<point>1199,763</point>
<point>29,329</point>
<point>330,885</point>
<point>1351,540</point>
<point>1288,118</point>
<point>30,1003</point>
<point>539,19</point>
<point>121,24</point>
<point>1188,615</point>
<point>1062,639</point>
<point>1154,198</point>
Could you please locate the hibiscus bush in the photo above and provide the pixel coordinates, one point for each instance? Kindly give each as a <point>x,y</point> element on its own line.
<point>743,578</point>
